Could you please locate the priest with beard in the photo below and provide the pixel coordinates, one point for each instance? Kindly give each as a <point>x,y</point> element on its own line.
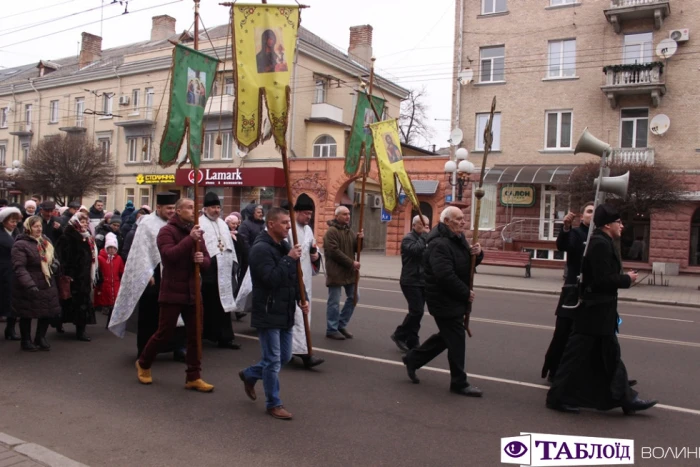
<point>141,281</point>
<point>219,281</point>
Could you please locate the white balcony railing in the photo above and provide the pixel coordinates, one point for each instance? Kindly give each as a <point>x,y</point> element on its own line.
<point>633,77</point>
<point>222,104</point>
<point>632,3</point>
<point>634,155</point>
<point>328,111</point>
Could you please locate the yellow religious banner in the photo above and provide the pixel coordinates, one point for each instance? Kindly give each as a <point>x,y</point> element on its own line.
<point>264,46</point>
<point>387,146</point>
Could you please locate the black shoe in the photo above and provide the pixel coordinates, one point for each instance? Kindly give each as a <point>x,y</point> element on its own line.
<point>229,345</point>
<point>563,408</point>
<point>82,337</point>
<point>403,346</point>
<point>469,391</point>
<point>336,336</point>
<point>632,382</point>
<point>180,355</point>
<point>42,344</point>
<point>346,333</point>
<point>27,346</point>
<point>240,315</point>
<point>410,370</point>
<point>10,334</point>
<point>310,361</point>
<point>637,405</point>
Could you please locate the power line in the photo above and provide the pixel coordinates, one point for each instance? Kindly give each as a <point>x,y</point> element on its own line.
<point>48,21</point>
<point>36,9</point>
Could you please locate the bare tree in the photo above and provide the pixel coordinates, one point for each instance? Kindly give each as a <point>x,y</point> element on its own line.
<point>67,168</point>
<point>651,187</point>
<point>413,121</point>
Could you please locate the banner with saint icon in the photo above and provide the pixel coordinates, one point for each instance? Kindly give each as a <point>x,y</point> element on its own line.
<point>387,146</point>
<point>192,79</point>
<point>264,45</point>
<point>361,136</point>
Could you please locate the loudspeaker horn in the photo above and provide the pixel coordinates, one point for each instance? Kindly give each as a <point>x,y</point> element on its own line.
<point>615,185</point>
<point>590,144</point>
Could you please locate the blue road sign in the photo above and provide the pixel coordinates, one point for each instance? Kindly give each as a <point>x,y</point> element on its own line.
<point>386,216</point>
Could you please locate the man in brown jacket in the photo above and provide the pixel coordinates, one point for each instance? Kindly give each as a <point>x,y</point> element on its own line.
<point>340,244</point>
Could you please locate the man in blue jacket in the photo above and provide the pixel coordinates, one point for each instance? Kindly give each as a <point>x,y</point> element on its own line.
<point>275,296</point>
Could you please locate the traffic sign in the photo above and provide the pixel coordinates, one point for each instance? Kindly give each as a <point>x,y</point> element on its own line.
<point>386,216</point>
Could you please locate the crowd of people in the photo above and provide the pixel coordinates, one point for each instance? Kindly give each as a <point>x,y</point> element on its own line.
<point>60,266</point>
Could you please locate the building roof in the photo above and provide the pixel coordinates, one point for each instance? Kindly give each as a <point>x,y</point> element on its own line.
<point>418,149</point>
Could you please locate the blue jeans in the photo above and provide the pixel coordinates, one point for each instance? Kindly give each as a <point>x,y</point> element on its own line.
<point>339,320</point>
<point>276,346</point>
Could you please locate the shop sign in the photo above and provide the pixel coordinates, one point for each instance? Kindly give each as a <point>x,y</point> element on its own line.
<point>253,177</point>
<point>155,179</point>
<point>519,196</point>
<point>386,216</point>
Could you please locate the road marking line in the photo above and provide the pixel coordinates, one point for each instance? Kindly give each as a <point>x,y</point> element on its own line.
<point>533,326</point>
<point>471,375</point>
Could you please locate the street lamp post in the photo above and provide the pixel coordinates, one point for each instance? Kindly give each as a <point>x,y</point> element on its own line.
<point>458,172</point>
<point>12,173</point>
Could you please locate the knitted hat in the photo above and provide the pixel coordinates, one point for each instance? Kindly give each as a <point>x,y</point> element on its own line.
<point>108,214</point>
<point>146,207</point>
<point>129,204</point>
<point>29,202</point>
<point>115,219</point>
<point>111,240</point>
<point>211,199</point>
<point>604,215</point>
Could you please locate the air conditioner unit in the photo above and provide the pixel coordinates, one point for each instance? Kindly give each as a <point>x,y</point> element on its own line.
<point>376,202</point>
<point>358,199</point>
<point>680,35</point>
<point>124,100</point>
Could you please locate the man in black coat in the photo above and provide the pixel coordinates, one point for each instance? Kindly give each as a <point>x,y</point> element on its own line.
<point>251,227</point>
<point>412,284</point>
<point>51,225</point>
<point>447,262</point>
<point>591,373</point>
<point>275,296</point>
<point>573,242</point>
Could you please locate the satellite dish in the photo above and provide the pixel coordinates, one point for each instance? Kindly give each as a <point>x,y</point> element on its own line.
<point>465,76</point>
<point>659,124</point>
<point>666,48</point>
<point>455,137</point>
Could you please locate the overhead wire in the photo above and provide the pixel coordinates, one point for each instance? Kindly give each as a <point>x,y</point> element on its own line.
<point>24,27</point>
<point>36,9</point>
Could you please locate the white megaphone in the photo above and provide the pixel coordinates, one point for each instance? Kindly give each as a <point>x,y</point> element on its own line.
<point>615,185</point>
<point>590,144</point>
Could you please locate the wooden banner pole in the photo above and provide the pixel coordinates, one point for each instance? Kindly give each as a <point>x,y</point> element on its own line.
<point>197,278</point>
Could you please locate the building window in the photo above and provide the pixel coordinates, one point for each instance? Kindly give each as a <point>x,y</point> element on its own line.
<point>149,103</point>
<point>130,195</point>
<point>562,2</point>
<point>558,129</point>
<point>107,104</point>
<point>320,91</point>
<point>28,116</point>
<point>633,128</point>
<point>79,110</point>
<point>102,196</point>
<point>132,149</point>
<point>3,155</point>
<point>562,58</point>
<point>638,48</point>
<point>136,99</point>
<point>325,146</point>
<point>553,208</point>
<point>25,152</point>
<point>208,149</point>
<point>481,121</point>
<point>3,116</point>
<point>146,149</point>
<point>492,6</point>
<point>144,197</point>
<point>227,146</point>
<point>492,61</point>
<point>53,112</point>
<point>228,86</point>
<point>487,215</point>
<point>105,146</point>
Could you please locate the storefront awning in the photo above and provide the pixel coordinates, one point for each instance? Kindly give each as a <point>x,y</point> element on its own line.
<point>536,174</point>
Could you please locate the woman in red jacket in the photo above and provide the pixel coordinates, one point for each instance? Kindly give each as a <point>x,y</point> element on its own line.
<point>111,271</point>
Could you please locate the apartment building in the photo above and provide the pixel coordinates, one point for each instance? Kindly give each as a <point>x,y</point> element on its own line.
<point>556,67</point>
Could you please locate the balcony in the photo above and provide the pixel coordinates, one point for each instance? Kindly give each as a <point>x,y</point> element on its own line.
<point>625,10</point>
<point>323,111</point>
<point>633,155</point>
<point>73,124</point>
<point>634,80</point>
<point>21,129</point>
<point>219,105</point>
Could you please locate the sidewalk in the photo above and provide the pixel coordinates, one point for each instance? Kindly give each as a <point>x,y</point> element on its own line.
<point>682,290</point>
<point>17,453</point>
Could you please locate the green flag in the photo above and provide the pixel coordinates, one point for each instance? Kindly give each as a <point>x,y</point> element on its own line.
<point>193,75</point>
<point>361,136</point>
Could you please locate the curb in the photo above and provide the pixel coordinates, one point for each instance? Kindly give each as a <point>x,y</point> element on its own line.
<point>37,453</point>
<point>552,292</point>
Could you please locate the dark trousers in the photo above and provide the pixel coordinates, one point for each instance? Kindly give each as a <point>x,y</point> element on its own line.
<point>148,318</point>
<point>451,336</point>
<point>408,330</point>
<point>25,328</point>
<point>167,322</point>
<point>217,323</point>
<point>562,331</point>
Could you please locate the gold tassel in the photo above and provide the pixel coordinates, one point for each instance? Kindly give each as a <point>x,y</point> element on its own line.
<point>218,140</point>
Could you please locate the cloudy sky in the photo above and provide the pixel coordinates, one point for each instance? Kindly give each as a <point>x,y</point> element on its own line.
<point>413,44</point>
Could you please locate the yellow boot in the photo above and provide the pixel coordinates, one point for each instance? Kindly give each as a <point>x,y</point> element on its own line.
<point>199,385</point>
<point>143,375</point>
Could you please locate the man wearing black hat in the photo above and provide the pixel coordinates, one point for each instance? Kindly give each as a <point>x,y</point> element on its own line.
<point>219,281</point>
<point>73,207</point>
<point>50,224</point>
<point>141,280</point>
<point>591,373</point>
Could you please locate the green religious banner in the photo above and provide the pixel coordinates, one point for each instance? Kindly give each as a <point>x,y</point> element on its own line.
<point>361,136</point>
<point>193,75</point>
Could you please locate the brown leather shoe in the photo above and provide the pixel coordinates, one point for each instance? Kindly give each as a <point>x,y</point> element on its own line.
<point>280,412</point>
<point>249,388</point>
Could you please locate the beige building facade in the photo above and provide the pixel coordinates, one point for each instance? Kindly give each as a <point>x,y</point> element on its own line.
<point>557,67</point>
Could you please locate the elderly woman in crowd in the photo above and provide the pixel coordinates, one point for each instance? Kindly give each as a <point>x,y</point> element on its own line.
<point>9,217</point>
<point>77,254</point>
<point>34,292</point>
<point>30,208</point>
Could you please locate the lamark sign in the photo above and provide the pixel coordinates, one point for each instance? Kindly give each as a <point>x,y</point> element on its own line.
<point>539,449</point>
<point>257,176</point>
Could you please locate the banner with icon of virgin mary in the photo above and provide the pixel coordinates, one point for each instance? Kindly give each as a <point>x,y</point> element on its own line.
<point>264,46</point>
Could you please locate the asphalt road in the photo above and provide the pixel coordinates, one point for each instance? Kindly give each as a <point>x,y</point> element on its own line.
<point>359,408</point>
